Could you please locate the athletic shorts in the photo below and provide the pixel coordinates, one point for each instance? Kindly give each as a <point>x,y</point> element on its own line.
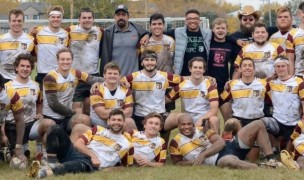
<point>82,91</point>
<point>278,129</point>
<point>233,148</point>
<point>11,133</point>
<point>244,121</point>
<point>139,121</point>
<point>65,123</point>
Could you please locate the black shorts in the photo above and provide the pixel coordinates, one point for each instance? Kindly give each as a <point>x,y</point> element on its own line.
<point>39,79</point>
<point>64,123</point>
<point>11,133</point>
<point>244,121</point>
<point>82,91</point>
<point>233,148</point>
<point>139,121</point>
<point>278,129</point>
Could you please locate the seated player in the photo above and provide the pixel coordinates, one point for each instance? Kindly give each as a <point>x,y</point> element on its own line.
<point>199,96</point>
<point>29,92</point>
<point>197,146</point>
<point>98,148</point>
<point>111,95</point>
<point>58,89</point>
<point>149,149</point>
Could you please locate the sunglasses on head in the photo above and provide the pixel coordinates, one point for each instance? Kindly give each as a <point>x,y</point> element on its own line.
<point>247,19</point>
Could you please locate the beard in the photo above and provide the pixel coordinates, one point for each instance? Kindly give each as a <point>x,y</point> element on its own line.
<point>121,23</point>
<point>247,30</point>
<point>115,130</point>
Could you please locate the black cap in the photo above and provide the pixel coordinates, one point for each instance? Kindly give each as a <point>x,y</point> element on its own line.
<point>122,8</point>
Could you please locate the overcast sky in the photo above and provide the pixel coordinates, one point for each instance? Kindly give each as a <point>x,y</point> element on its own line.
<point>255,3</point>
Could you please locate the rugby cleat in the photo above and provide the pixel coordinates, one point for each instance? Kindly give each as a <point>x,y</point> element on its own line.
<point>288,161</point>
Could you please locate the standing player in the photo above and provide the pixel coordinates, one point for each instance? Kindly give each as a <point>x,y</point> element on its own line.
<point>199,96</point>
<point>48,40</point>
<point>261,51</point>
<point>111,95</point>
<point>10,100</point>
<point>58,89</point>
<point>149,148</point>
<point>84,43</point>
<point>29,92</point>
<point>13,43</point>
<point>98,148</point>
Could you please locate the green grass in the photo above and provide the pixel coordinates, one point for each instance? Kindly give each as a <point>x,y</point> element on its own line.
<point>167,172</point>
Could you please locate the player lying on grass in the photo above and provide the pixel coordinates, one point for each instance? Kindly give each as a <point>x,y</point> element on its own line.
<point>98,148</point>
<point>197,146</point>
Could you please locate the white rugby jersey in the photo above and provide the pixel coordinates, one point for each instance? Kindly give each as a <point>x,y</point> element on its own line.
<point>286,97</point>
<point>120,100</point>
<point>196,99</point>
<point>154,149</point>
<point>10,48</point>
<point>9,100</point>
<point>108,147</point>
<point>247,100</point>
<point>85,47</point>
<point>54,82</point>
<point>297,138</point>
<point>149,93</point>
<point>292,42</point>
<point>47,45</point>
<point>30,95</point>
<point>164,50</point>
<point>263,58</point>
<point>189,148</point>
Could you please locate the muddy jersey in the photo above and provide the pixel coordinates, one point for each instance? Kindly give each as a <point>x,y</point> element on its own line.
<point>10,48</point>
<point>9,100</point>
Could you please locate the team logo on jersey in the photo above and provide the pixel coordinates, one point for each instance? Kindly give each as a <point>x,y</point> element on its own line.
<point>288,88</point>
<point>203,138</point>
<point>2,106</point>
<point>201,48</point>
<point>152,145</point>
<point>119,102</point>
<point>117,147</point>
<point>266,55</point>
<point>23,46</point>
<point>60,40</point>
<point>203,95</point>
<point>219,57</point>
<point>33,92</point>
<point>255,93</point>
<point>158,85</point>
<point>71,84</point>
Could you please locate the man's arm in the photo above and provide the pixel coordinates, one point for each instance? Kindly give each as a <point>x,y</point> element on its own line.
<point>176,156</point>
<point>212,112</point>
<point>217,145</point>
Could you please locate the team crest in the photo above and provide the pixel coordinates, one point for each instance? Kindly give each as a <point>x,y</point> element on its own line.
<point>152,145</point>
<point>71,84</point>
<point>289,88</point>
<point>119,102</point>
<point>201,48</point>
<point>60,40</point>
<point>117,147</point>
<point>158,85</point>
<point>23,46</point>
<point>203,95</point>
<point>2,106</point>
<point>255,93</point>
<point>219,57</point>
<point>203,138</point>
<point>266,55</point>
<point>33,92</point>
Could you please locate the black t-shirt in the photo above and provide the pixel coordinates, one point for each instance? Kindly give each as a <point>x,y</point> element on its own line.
<point>220,54</point>
<point>195,48</point>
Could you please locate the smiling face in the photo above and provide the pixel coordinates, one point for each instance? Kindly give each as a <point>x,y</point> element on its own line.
<point>149,64</point>
<point>55,20</point>
<point>247,68</point>
<point>192,22</point>
<point>197,69</point>
<point>64,61</point>
<point>260,35</point>
<point>157,27</point>
<point>116,123</point>
<point>16,23</point>
<point>186,126</point>
<point>24,69</point>
<point>111,76</point>
<point>152,127</point>
<point>86,20</point>
<point>220,31</point>
<point>281,69</point>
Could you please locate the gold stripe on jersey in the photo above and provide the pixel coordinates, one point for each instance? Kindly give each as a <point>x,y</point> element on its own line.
<point>299,41</point>
<point>23,91</point>
<point>190,94</point>
<point>255,55</point>
<point>110,103</point>
<point>78,36</point>
<point>16,102</point>
<point>12,45</point>
<point>45,39</point>
<point>296,133</point>
<point>300,148</point>
<point>104,140</point>
<point>143,85</point>
<point>282,88</point>
<point>241,93</point>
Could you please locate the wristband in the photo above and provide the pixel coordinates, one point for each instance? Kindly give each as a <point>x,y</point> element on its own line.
<point>18,146</point>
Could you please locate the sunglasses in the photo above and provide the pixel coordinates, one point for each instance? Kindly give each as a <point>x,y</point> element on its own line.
<point>248,19</point>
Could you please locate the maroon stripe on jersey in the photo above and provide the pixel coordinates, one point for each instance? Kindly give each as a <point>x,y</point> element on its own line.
<point>297,130</point>
<point>129,77</point>
<point>78,74</point>
<point>84,139</point>
<point>176,96</point>
<point>127,105</point>
<point>280,50</point>
<point>94,130</point>
<point>170,76</point>
<point>97,93</point>
<point>15,98</point>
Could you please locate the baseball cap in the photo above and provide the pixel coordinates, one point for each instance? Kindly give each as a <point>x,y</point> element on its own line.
<point>122,7</point>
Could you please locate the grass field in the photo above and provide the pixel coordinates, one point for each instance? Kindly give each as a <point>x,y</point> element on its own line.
<point>167,172</point>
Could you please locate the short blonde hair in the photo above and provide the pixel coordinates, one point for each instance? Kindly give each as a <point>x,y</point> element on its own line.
<point>283,9</point>
<point>56,8</point>
<point>218,21</point>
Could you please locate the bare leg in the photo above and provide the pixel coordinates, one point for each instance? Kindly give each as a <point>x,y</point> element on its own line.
<point>44,125</point>
<point>231,161</point>
<point>77,131</point>
<point>226,111</point>
<point>256,131</point>
<point>86,106</point>
<point>253,154</point>
<point>171,121</point>
<point>300,162</point>
<point>80,119</point>
<point>214,124</point>
<point>77,107</point>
